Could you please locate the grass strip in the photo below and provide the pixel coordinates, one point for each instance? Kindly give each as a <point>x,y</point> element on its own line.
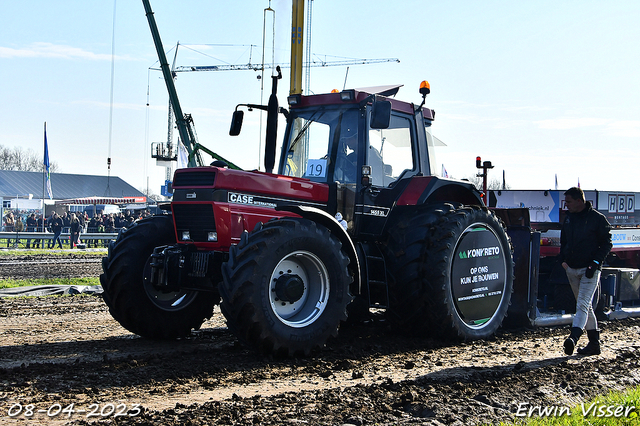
<point>612,409</point>
<point>52,252</point>
<point>10,283</point>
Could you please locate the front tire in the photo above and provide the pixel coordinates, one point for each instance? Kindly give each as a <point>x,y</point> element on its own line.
<point>133,301</point>
<point>285,288</point>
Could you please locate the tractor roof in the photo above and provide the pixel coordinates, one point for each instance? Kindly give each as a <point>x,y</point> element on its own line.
<point>358,95</point>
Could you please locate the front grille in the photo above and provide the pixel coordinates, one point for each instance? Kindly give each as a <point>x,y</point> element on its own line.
<point>199,264</point>
<point>196,218</point>
<point>191,179</point>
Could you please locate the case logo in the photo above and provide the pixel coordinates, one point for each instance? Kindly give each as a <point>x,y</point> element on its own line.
<point>250,200</point>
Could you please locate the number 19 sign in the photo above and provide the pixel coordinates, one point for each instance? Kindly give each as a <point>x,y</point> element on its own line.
<point>316,168</point>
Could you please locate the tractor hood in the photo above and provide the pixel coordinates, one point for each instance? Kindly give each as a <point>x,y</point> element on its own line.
<point>245,187</point>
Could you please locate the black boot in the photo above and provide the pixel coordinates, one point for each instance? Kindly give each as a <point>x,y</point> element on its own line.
<point>593,347</point>
<point>572,340</point>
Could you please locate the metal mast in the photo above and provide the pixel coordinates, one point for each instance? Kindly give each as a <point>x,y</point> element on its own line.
<point>307,71</point>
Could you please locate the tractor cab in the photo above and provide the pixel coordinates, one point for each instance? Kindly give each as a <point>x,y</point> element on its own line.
<point>365,145</point>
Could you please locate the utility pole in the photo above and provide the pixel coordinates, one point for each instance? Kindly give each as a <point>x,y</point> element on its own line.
<point>297,26</point>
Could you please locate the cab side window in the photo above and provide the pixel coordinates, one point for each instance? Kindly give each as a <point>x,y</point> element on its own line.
<point>346,170</point>
<point>389,152</point>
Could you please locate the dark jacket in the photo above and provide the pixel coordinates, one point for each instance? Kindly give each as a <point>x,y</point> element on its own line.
<point>56,224</point>
<point>32,223</point>
<point>75,225</point>
<point>585,237</point>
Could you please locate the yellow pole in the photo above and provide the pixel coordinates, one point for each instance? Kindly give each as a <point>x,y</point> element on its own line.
<point>297,26</point>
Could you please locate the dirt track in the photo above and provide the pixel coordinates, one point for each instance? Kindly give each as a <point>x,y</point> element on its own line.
<point>58,351</point>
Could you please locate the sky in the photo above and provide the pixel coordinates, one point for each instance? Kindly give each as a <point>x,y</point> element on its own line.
<point>541,89</point>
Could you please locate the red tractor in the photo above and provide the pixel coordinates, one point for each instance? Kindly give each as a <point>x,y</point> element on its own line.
<point>355,218</point>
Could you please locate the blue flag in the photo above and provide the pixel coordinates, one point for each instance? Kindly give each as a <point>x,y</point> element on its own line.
<point>46,163</point>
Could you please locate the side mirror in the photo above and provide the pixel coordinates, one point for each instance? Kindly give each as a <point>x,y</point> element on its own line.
<point>380,115</point>
<point>236,123</point>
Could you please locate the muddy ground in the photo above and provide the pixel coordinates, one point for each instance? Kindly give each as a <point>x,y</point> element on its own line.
<point>63,264</point>
<point>64,360</point>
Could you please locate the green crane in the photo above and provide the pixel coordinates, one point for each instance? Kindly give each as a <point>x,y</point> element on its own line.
<point>184,122</point>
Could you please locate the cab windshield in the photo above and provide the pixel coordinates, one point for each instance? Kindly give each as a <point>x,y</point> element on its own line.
<point>317,136</point>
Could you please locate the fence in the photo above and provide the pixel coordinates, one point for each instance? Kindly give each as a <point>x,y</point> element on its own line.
<point>33,239</point>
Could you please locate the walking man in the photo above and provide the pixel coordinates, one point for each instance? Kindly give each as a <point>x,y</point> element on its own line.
<point>585,243</point>
<point>74,231</point>
<point>39,228</point>
<point>56,227</point>
<point>32,224</point>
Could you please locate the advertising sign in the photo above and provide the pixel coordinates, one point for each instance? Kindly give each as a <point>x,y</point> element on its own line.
<point>478,275</point>
<point>544,206</point>
<point>619,207</point>
<point>625,238</point>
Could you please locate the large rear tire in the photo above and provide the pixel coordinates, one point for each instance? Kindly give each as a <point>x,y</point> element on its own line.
<point>136,304</point>
<point>285,288</point>
<point>453,273</point>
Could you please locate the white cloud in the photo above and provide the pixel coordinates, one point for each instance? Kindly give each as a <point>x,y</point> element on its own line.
<point>622,128</point>
<point>627,129</point>
<point>571,123</point>
<point>526,109</point>
<point>120,105</point>
<point>50,50</point>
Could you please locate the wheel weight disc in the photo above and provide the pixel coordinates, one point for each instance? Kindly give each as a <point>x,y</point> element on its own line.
<point>478,275</point>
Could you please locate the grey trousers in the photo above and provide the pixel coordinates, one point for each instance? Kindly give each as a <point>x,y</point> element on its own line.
<point>583,289</point>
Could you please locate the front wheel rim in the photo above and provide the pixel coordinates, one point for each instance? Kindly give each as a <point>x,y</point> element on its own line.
<point>314,295</point>
<point>166,300</point>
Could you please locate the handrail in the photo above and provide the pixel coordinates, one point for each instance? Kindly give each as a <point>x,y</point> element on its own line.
<point>16,239</point>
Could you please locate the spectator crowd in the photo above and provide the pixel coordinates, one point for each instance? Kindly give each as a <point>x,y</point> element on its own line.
<point>74,223</point>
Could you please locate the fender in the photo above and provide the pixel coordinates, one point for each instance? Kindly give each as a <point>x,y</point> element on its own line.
<point>433,189</point>
<point>325,219</point>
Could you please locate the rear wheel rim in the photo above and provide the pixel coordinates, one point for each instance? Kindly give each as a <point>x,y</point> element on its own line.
<point>311,271</point>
